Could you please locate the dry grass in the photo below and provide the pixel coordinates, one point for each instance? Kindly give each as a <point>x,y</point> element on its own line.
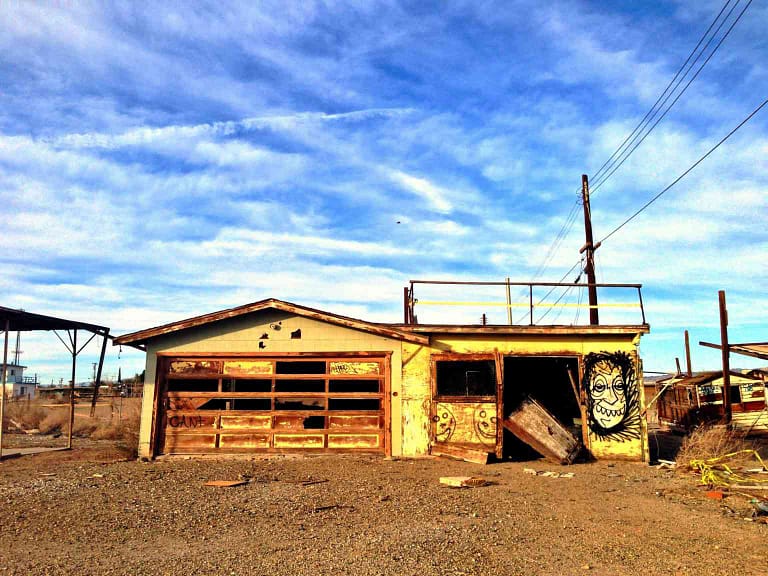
<point>711,442</point>
<point>25,413</point>
<point>122,426</point>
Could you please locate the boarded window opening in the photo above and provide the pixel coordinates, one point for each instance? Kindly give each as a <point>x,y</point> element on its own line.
<point>466,378</point>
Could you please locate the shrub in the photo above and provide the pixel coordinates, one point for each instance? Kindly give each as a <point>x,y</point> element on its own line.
<point>713,441</point>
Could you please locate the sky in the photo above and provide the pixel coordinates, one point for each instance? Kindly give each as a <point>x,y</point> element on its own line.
<point>164,160</point>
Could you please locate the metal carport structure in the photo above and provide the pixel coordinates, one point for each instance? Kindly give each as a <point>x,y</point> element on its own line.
<point>13,320</point>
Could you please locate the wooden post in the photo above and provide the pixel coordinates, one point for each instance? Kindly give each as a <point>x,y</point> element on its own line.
<point>406,306</point>
<point>688,354</point>
<point>726,353</point>
<point>677,362</point>
<point>72,392</point>
<point>2,390</point>
<point>509,304</point>
<point>97,380</point>
<point>589,268</point>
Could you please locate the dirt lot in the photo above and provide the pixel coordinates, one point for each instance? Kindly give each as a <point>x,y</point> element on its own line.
<point>86,512</point>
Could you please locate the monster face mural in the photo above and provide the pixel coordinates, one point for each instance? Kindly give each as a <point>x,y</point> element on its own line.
<point>612,398</point>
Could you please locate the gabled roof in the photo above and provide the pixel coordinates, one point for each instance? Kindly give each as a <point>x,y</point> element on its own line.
<point>142,336</point>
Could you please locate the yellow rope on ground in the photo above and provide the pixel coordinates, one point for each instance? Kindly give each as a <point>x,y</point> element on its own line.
<point>714,472</point>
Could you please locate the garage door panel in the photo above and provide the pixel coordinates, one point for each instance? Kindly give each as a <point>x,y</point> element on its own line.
<point>273,404</point>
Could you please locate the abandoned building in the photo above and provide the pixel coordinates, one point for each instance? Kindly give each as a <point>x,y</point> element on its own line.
<point>273,376</point>
<point>688,401</point>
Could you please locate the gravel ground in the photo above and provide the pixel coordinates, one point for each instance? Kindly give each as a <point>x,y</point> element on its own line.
<point>86,512</point>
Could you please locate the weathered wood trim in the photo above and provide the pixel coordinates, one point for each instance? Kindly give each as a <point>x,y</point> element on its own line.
<point>182,355</point>
<point>433,329</point>
<point>142,336</point>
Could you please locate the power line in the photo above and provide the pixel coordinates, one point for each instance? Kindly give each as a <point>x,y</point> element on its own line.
<point>620,155</point>
<point>571,269</point>
<point>626,154</point>
<point>684,174</point>
<point>596,175</point>
<point>623,152</point>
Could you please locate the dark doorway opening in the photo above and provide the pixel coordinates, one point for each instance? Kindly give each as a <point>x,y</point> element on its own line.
<point>545,379</point>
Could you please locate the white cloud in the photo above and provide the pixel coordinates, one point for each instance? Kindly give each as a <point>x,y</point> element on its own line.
<point>436,196</point>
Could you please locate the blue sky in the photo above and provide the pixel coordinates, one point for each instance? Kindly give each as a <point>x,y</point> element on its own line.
<point>159,161</point>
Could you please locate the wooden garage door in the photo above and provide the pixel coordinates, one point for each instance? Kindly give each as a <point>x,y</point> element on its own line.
<point>230,405</point>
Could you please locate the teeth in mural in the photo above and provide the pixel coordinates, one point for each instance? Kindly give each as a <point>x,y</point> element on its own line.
<point>608,412</point>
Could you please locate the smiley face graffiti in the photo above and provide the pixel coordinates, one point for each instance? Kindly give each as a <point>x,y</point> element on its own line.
<point>612,398</point>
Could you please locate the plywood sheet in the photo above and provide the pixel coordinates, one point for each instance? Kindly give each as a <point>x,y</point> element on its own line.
<point>194,367</point>
<point>240,422</point>
<point>303,441</point>
<point>255,441</point>
<point>359,441</point>
<point>344,421</point>
<point>248,367</point>
<point>354,368</point>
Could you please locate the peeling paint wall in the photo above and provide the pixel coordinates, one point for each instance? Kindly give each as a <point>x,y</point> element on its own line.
<point>412,427</point>
<point>245,334</point>
<point>416,398</point>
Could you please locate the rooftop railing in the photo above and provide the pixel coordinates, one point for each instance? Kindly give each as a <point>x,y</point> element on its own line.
<point>520,303</point>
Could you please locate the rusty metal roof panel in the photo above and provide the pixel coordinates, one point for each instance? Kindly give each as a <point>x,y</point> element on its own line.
<point>23,321</point>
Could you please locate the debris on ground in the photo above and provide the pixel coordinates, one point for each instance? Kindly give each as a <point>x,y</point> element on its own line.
<point>225,483</point>
<point>549,473</point>
<point>463,481</point>
<point>717,471</point>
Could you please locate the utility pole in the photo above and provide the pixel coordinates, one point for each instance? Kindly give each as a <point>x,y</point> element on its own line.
<point>726,353</point>
<point>589,248</point>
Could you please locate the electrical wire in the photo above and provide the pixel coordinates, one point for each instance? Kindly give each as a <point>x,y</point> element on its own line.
<point>572,268</point>
<point>596,175</point>
<point>635,146</point>
<point>684,174</point>
<point>611,164</point>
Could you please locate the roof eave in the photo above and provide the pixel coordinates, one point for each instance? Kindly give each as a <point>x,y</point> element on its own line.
<point>143,336</point>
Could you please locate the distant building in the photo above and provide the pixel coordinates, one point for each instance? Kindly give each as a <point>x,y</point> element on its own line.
<point>689,401</point>
<point>17,385</point>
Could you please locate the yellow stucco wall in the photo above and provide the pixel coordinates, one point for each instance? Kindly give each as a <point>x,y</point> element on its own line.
<point>410,372</point>
<point>417,381</point>
<point>242,335</point>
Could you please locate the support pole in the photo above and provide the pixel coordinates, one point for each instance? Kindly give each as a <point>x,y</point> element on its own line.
<point>406,299</point>
<point>726,353</point>
<point>2,390</point>
<point>688,354</point>
<point>97,381</point>
<point>590,248</point>
<point>509,304</point>
<point>72,392</point>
